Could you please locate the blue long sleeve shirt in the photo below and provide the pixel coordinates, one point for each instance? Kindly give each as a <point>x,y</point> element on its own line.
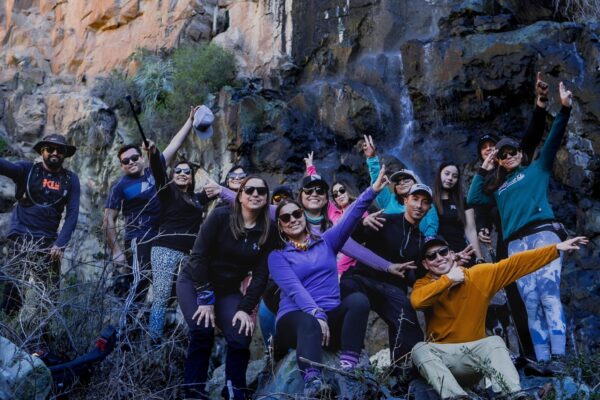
<point>390,204</point>
<point>41,218</point>
<point>522,198</point>
<point>308,279</point>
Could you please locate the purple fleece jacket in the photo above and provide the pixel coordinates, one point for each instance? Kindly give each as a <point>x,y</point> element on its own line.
<point>308,279</point>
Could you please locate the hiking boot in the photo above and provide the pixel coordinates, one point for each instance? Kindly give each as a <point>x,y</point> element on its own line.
<point>555,367</point>
<point>315,388</point>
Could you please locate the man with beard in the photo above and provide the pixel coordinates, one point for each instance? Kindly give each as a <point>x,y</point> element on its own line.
<point>43,191</point>
<point>134,194</point>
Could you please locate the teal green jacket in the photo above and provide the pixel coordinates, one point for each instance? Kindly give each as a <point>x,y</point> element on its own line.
<point>522,198</point>
<point>390,204</point>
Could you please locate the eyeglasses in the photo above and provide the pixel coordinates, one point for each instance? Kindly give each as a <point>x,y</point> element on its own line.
<point>278,197</point>
<point>315,189</point>
<point>187,171</point>
<point>297,214</point>
<point>54,149</point>
<point>338,192</point>
<point>402,181</point>
<point>508,152</point>
<point>261,190</point>
<point>236,176</point>
<point>127,160</point>
<point>442,252</point>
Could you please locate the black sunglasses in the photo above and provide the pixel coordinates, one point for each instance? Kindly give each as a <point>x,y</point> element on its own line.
<point>127,160</point>
<point>315,189</point>
<point>237,176</point>
<point>187,171</point>
<point>297,214</point>
<point>442,252</point>
<point>338,192</point>
<point>261,190</point>
<point>508,152</point>
<point>52,149</point>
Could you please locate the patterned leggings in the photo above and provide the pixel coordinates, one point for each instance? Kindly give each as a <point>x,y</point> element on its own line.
<point>164,270</point>
<point>540,291</point>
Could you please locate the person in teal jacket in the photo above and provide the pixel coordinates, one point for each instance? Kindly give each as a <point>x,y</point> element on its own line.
<point>528,222</point>
<point>402,180</point>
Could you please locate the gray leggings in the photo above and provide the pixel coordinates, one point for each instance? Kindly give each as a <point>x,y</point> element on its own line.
<point>164,271</point>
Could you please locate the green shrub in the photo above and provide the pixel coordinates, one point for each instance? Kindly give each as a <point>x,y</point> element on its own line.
<point>154,81</point>
<point>113,88</point>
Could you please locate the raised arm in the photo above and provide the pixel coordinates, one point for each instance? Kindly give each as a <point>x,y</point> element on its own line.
<point>476,195</point>
<point>537,122</point>
<point>14,171</point>
<point>287,280</point>
<point>159,172</point>
<point>559,127</point>
<point>337,235</point>
<point>179,138</point>
<point>493,277</point>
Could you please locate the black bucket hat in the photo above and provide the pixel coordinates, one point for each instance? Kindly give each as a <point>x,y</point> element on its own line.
<point>55,140</point>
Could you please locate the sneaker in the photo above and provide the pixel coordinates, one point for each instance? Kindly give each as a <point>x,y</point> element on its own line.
<point>315,388</point>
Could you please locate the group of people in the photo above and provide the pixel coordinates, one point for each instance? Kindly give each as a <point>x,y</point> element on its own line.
<point>311,267</point>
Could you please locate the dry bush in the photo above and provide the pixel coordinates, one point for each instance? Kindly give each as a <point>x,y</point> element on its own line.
<point>579,10</point>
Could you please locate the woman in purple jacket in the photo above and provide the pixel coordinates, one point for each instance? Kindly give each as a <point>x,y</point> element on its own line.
<point>310,312</point>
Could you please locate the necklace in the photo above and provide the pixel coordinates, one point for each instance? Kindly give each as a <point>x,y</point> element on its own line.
<point>300,245</point>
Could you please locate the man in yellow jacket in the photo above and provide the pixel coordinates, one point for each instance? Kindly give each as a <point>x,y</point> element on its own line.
<point>455,301</point>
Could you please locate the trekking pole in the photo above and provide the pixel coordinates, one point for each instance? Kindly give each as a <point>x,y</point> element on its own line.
<point>137,121</point>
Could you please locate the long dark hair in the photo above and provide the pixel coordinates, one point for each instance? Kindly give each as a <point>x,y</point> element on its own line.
<point>349,190</point>
<point>192,185</point>
<point>455,194</point>
<point>325,223</point>
<point>236,219</point>
<point>496,178</point>
<point>282,204</point>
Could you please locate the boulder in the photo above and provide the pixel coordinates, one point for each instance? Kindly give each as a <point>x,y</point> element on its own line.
<point>22,376</point>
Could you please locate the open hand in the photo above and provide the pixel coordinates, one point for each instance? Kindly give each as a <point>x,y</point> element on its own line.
<point>566,97</point>
<point>572,244</point>
<point>374,220</point>
<point>246,323</point>
<point>206,313</point>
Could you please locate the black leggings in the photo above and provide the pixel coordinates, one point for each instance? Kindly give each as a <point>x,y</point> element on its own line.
<point>201,339</point>
<point>301,331</point>
<point>392,304</point>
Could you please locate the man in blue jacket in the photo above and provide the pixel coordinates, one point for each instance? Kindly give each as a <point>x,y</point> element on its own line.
<point>43,191</point>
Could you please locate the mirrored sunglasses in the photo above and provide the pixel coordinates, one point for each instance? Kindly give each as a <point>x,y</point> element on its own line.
<point>187,171</point>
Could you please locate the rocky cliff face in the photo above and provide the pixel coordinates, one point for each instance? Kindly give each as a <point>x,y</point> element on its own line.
<point>426,78</point>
